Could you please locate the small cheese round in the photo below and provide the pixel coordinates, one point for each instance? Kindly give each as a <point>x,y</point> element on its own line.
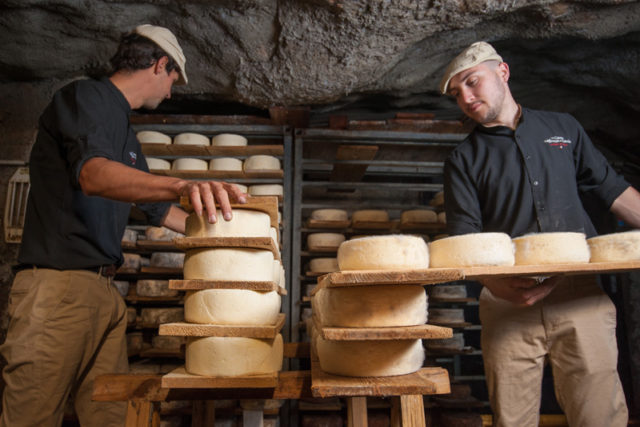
<point>233,356</point>
<point>245,223</point>
<point>225,164</point>
<point>153,163</point>
<point>551,248</point>
<point>448,291</point>
<point>456,342</point>
<point>130,235</point>
<point>330,215</point>
<point>371,306</point>
<point>232,307</point>
<point>163,234</point>
<point>189,138</point>
<point>392,252</point>
<point>224,264</point>
<point>167,259</point>
<point>266,190</point>
<point>131,262</point>
<point>158,316</point>
<point>228,139</point>
<point>366,215</point>
<point>324,265</point>
<point>446,315</point>
<point>155,288</point>
<point>469,250</point>
<point>188,164</point>
<point>261,162</point>
<point>614,247</point>
<point>369,358</point>
<point>153,137</point>
<point>324,240</point>
<point>418,215</point>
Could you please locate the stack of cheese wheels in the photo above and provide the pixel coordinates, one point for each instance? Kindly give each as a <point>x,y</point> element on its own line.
<point>373,306</point>
<point>472,250</point>
<point>225,164</point>
<point>153,137</point>
<point>261,162</point>
<point>228,140</point>
<point>616,247</point>
<point>237,355</point>
<point>551,248</point>
<point>189,138</point>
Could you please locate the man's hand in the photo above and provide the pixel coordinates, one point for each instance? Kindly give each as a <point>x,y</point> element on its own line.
<point>520,290</point>
<point>204,194</point>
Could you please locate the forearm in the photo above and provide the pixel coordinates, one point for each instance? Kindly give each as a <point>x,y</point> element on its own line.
<point>175,219</point>
<point>627,207</point>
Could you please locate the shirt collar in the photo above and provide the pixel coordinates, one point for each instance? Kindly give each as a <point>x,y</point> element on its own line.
<point>504,130</point>
<point>122,101</point>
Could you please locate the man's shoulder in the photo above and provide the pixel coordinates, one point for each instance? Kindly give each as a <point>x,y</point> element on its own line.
<point>85,86</point>
<point>548,116</point>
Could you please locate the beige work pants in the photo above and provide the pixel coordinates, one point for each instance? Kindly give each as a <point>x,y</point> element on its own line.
<point>574,326</point>
<point>65,328</point>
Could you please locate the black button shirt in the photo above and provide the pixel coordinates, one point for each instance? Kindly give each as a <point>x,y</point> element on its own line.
<point>527,180</point>
<point>65,229</point>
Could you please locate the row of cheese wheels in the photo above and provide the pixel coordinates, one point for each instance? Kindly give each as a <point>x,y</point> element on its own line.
<point>255,163</point>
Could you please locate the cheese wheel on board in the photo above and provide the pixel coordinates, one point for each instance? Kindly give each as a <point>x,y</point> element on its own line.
<point>157,316</point>
<point>371,306</point>
<point>392,252</point>
<point>245,223</point>
<point>551,248</point>
<point>153,163</point>
<point>131,262</point>
<point>155,288</point>
<point>251,265</point>
<point>323,265</point>
<point>167,259</point>
<point>330,215</point>
<point>232,307</point>
<point>266,190</point>
<point>366,215</point>
<point>419,215</point>
<point>162,234</point>
<point>188,164</point>
<point>153,137</point>
<point>233,356</point>
<point>471,250</point>
<point>122,286</point>
<point>446,315</point>
<point>448,291</point>
<point>615,247</point>
<point>328,240</point>
<point>261,162</point>
<point>369,358</point>
<point>456,342</point>
<point>225,164</point>
<point>190,138</point>
<point>228,140</point>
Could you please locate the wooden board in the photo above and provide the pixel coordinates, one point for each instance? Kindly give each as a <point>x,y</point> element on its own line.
<point>387,333</point>
<point>267,204</point>
<point>384,277</point>
<point>200,150</point>
<point>198,285</point>
<point>265,243</point>
<point>476,273</point>
<point>452,300</point>
<point>184,329</point>
<point>374,225</point>
<point>213,174</point>
<point>323,249</point>
<point>156,246</point>
<point>179,378</point>
<point>314,223</point>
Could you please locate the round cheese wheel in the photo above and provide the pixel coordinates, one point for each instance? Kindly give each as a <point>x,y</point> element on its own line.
<point>163,342</point>
<point>448,291</point>
<point>130,235</point>
<point>456,342</point>
<point>371,306</point>
<point>261,162</point>
<point>251,265</point>
<point>131,262</point>
<point>330,215</point>
<point>365,215</point>
<point>187,164</point>
<point>245,223</point>
<point>266,190</point>
<point>155,288</point>
<point>324,265</point>
<point>369,358</point>
<point>167,259</point>
<point>446,315</point>
<point>551,248</point>
<point>328,240</point>
<point>232,307</point>
<point>228,139</point>
<point>161,234</point>
<point>158,316</point>
<point>189,138</point>
<point>392,252</point>
<point>225,164</point>
<point>233,356</point>
<point>154,163</point>
<point>469,250</point>
<point>242,187</point>
<point>418,215</point>
<point>614,247</point>
<point>153,137</point>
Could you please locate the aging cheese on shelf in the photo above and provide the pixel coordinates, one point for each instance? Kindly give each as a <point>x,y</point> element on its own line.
<point>456,342</point>
<point>551,248</point>
<point>131,262</point>
<point>153,137</point>
<point>163,234</point>
<point>365,215</point>
<point>252,265</point>
<point>323,265</point>
<point>471,250</point>
<point>330,215</point>
<point>228,139</point>
<point>225,164</point>
<point>232,307</point>
<point>167,259</point>
<point>155,288</point>
<point>122,286</point>
<point>371,306</point>
<point>130,235</point>
<point>616,247</point>
<point>446,315</point>
<point>266,190</point>
<point>233,356</point>
<point>158,164</point>
<point>158,316</point>
<point>261,162</point>
<point>245,223</point>
<point>162,342</point>
<point>189,164</point>
<point>392,252</point>
<point>419,215</point>
<point>448,291</point>
<point>190,138</point>
<point>328,240</point>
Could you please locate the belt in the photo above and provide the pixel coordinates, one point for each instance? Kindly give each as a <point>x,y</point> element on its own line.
<point>108,270</point>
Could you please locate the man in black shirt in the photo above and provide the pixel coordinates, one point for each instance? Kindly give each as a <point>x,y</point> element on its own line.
<point>522,171</point>
<point>86,168</point>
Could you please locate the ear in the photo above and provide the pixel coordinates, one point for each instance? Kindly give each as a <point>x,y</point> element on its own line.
<point>503,71</point>
<point>160,65</point>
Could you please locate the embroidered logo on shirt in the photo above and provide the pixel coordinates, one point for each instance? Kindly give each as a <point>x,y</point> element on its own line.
<point>133,157</point>
<point>558,141</point>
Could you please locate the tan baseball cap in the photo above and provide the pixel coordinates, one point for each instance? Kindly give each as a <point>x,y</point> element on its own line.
<point>168,42</point>
<point>475,54</point>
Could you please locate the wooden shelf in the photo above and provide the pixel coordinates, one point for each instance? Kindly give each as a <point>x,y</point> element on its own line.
<point>179,378</point>
<point>374,225</point>
<point>384,333</point>
<point>198,285</point>
<point>200,150</point>
<point>212,174</point>
<point>209,330</point>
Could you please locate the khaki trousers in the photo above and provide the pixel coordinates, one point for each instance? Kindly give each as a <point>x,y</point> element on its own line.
<point>574,326</point>
<point>65,328</point>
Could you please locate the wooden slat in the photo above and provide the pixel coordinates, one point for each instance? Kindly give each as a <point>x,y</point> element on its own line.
<point>209,330</point>
<point>323,248</point>
<point>476,273</point>
<point>374,225</point>
<point>200,150</point>
<point>156,246</point>
<point>352,173</point>
<point>388,277</point>
<point>357,412</point>
<point>386,333</point>
<point>315,223</point>
<point>203,413</point>
<point>198,285</point>
<point>412,411</point>
<point>264,243</point>
<point>179,378</point>
<point>142,413</point>
<point>267,204</point>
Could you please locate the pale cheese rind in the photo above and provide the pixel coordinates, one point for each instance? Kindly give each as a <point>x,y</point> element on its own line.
<point>616,247</point>
<point>232,307</point>
<point>551,248</point>
<point>225,264</point>
<point>245,223</point>
<point>392,252</point>
<point>472,250</point>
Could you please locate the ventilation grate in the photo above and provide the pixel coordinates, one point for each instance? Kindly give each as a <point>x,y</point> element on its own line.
<point>16,205</point>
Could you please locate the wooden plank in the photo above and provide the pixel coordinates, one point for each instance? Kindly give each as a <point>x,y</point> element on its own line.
<point>323,249</point>
<point>156,246</point>
<point>208,330</point>
<point>476,273</point>
<point>386,333</point>
<point>357,412</point>
<point>412,411</point>
<point>179,378</point>
<point>264,243</point>
<point>198,285</point>
<point>203,413</point>
<point>374,225</point>
<point>388,277</point>
<point>352,173</point>
<point>267,204</point>
<point>150,149</point>
<point>315,223</point>
<point>213,174</point>
<point>141,413</point>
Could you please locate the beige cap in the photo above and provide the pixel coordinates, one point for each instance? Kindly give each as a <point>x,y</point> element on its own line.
<point>168,42</point>
<point>475,54</point>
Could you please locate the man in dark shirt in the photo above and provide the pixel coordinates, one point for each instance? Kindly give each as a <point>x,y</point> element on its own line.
<point>522,171</point>
<point>86,168</point>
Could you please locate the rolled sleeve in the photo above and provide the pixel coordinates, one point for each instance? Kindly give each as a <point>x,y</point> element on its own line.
<point>460,198</point>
